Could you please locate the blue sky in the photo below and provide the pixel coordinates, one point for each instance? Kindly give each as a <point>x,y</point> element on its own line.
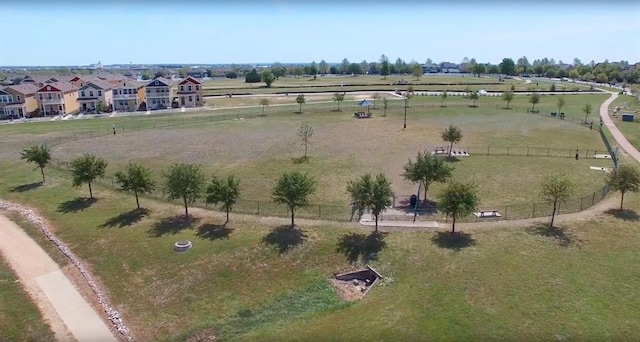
<point>79,33</point>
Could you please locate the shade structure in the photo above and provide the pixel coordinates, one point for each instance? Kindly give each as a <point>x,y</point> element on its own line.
<point>365,103</point>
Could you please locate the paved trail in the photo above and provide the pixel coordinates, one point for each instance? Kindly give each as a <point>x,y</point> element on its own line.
<point>620,138</point>
<point>70,316</point>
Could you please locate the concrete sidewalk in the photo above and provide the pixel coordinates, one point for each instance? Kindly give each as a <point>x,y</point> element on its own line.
<point>615,132</point>
<point>370,221</point>
<point>50,289</point>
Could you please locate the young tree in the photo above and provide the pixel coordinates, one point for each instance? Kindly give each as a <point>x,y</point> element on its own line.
<point>385,106</point>
<point>86,169</point>
<point>410,91</point>
<point>373,194</point>
<point>416,70</point>
<point>507,96</point>
<point>556,189</point>
<point>625,179</point>
<point>384,68</point>
<point>474,96</point>
<point>561,103</point>
<point>381,195</point>
<point>444,98</point>
<point>427,168</point>
<point>100,107</point>
<point>360,193</point>
<point>305,132</point>
<point>224,191</point>
<point>458,200</point>
<point>293,189</point>
<point>300,100</point>
<point>264,102</point>
<point>534,99</point>
<point>184,181</point>
<point>338,97</point>
<point>586,110</point>
<point>452,135</point>
<point>137,179</point>
<point>375,97</point>
<point>39,155</point>
<point>267,77</point>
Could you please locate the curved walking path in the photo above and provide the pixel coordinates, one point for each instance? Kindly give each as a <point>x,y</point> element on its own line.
<point>615,132</point>
<point>70,316</point>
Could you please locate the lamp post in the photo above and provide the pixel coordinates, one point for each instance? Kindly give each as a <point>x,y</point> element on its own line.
<point>406,100</point>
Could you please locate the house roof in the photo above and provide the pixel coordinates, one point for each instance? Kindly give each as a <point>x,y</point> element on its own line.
<point>159,82</point>
<point>2,92</point>
<point>23,88</point>
<point>191,80</point>
<point>64,87</point>
<point>98,84</point>
<point>129,84</point>
<point>36,78</point>
<point>85,78</point>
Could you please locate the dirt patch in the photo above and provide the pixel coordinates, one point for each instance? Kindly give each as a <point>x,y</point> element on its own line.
<point>347,290</point>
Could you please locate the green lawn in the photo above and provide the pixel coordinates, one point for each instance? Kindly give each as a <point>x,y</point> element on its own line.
<point>631,130</point>
<point>20,319</point>
<point>255,279</point>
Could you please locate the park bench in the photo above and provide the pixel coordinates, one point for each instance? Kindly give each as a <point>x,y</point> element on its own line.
<point>361,115</point>
<point>487,213</point>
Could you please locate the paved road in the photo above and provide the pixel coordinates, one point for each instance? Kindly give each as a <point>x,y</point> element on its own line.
<point>615,132</point>
<point>59,301</point>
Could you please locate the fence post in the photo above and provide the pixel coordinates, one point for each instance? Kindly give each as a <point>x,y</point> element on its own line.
<point>319,211</point>
<point>506,208</point>
<point>258,206</point>
<point>507,150</point>
<point>533,213</point>
<point>593,200</point>
<point>548,151</point>
<point>488,148</point>
<point>527,151</point>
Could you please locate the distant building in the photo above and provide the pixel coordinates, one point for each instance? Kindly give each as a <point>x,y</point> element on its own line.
<point>57,98</point>
<point>158,94</point>
<point>19,100</point>
<point>93,93</point>
<point>190,92</point>
<point>128,95</point>
<point>430,68</point>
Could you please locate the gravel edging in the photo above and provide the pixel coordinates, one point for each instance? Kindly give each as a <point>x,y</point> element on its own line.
<point>112,314</point>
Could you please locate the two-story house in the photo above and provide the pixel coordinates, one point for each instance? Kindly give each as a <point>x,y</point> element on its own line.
<point>128,95</point>
<point>95,94</point>
<point>19,100</point>
<point>190,92</point>
<point>57,98</point>
<point>158,93</point>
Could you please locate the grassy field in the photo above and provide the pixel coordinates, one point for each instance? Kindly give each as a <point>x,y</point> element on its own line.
<point>20,319</point>
<point>256,279</point>
<point>377,83</point>
<point>631,130</point>
<point>258,150</point>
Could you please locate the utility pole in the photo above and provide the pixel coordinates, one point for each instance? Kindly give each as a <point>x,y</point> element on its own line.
<point>406,99</point>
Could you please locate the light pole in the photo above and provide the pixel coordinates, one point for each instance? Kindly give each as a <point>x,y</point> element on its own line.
<point>405,112</point>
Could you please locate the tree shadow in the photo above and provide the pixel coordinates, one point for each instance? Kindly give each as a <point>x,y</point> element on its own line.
<point>127,218</point>
<point>284,238</point>
<point>172,225</point>
<point>26,187</point>
<point>356,246</point>
<point>76,204</point>
<point>213,231</point>
<point>563,238</point>
<point>456,241</point>
<point>625,214</point>
<point>452,159</point>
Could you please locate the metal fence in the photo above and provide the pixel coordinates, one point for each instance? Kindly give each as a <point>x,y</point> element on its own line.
<point>509,212</point>
<point>614,156</point>
<point>338,212</point>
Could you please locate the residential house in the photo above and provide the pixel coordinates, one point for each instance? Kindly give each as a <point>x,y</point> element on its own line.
<point>430,68</point>
<point>190,92</point>
<point>57,98</point>
<point>94,94</point>
<point>21,100</point>
<point>128,95</point>
<point>39,80</point>
<point>158,94</point>
<point>81,80</point>
<point>197,73</point>
<point>449,68</point>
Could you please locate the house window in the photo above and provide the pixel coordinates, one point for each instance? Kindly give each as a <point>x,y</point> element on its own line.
<point>59,107</point>
<point>190,98</point>
<point>58,96</point>
<point>40,96</point>
<point>82,93</point>
<point>18,97</point>
<point>99,92</point>
<point>153,101</point>
<point>197,98</point>
<point>197,87</point>
<point>91,93</point>
<point>189,88</point>
<point>181,88</point>
<point>49,96</point>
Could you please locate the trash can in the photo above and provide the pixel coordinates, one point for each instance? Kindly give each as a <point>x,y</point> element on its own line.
<point>413,200</point>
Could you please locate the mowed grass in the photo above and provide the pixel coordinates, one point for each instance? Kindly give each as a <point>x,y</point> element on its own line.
<point>631,130</point>
<point>258,150</point>
<point>256,280</point>
<point>20,319</point>
<point>235,284</point>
